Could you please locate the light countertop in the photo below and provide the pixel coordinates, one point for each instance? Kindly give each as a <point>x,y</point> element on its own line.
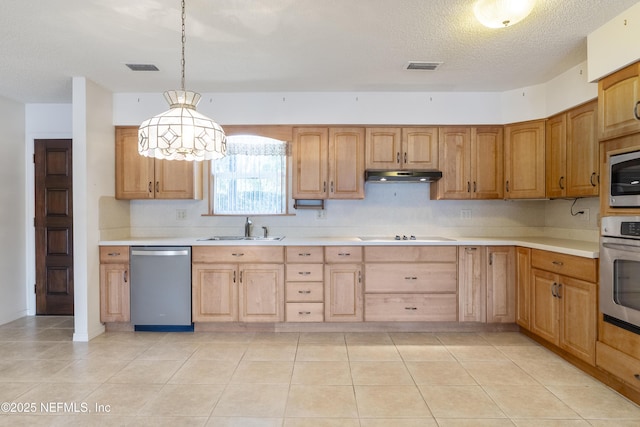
<point>580,248</point>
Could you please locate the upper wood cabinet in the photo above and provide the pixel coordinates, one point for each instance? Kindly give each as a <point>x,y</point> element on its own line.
<point>524,160</point>
<point>328,163</point>
<point>471,160</point>
<point>392,148</point>
<point>140,177</point>
<point>618,99</point>
<point>572,153</point>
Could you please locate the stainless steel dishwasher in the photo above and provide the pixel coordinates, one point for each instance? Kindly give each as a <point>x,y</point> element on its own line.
<point>161,288</point>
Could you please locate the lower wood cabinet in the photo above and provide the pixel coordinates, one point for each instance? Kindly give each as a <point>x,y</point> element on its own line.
<point>244,292</point>
<point>563,302</point>
<point>618,352</point>
<point>114,284</point>
<point>486,284</point>
<point>343,284</point>
<point>411,283</point>
<point>304,288</point>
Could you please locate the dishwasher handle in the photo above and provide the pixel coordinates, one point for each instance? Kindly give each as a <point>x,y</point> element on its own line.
<point>161,253</point>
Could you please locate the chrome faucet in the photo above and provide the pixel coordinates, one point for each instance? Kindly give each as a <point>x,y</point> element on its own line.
<point>266,231</point>
<point>247,228</point>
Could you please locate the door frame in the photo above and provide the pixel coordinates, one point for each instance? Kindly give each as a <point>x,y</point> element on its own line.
<point>30,209</point>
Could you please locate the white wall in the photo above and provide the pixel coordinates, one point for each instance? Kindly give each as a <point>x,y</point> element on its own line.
<point>93,170</point>
<point>13,303</point>
<point>615,44</point>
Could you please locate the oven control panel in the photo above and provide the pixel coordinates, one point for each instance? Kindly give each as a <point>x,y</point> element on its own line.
<point>630,228</point>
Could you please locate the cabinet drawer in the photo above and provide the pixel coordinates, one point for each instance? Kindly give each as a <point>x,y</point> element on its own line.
<point>216,254</point>
<point>305,312</point>
<point>304,272</point>
<point>305,292</point>
<point>410,277</point>
<point>305,253</point>
<point>619,364</point>
<point>410,254</point>
<point>335,254</point>
<point>407,307</point>
<point>114,254</point>
<point>567,265</point>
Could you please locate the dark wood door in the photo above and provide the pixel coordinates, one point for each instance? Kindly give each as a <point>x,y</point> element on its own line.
<point>54,227</point>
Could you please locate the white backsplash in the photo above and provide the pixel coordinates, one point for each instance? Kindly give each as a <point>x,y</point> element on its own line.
<point>388,209</point>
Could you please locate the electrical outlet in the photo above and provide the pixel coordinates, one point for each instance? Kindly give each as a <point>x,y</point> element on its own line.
<point>321,214</point>
<point>466,213</point>
<point>181,214</point>
<point>584,216</point>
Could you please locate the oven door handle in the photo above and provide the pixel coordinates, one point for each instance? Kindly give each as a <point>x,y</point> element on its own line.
<point>621,247</point>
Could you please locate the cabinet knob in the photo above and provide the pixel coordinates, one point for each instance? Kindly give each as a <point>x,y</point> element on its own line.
<point>411,308</point>
<point>344,254</point>
<point>304,312</point>
<point>507,186</point>
<point>304,273</point>
<point>304,254</point>
<point>238,254</point>
<point>592,180</point>
<point>113,254</point>
<point>304,292</point>
<point>561,182</point>
<point>557,263</point>
<point>410,278</point>
<point>635,111</point>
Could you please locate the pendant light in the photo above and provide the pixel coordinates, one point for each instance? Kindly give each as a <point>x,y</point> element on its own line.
<point>502,13</point>
<point>181,133</point>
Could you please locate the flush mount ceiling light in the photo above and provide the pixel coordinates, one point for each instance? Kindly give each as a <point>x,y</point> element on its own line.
<point>502,13</point>
<point>181,133</point>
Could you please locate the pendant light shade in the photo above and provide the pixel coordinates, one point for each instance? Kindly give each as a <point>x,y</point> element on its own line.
<point>502,13</point>
<point>181,133</point>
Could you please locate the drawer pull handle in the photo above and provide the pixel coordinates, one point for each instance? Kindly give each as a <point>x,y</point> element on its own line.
<point>304,254</point>
<point>554,289</point>
<point>558,263</point>
<point>304,273</point>
<point>304,292</point>
<point>124,276</point>
<point>114,254</point>
<point>410,278</point>
<point>411,308</point>
<point>344,254</point>
<point>636,376</point>
<point>304,312</point>
<point>238,254</point>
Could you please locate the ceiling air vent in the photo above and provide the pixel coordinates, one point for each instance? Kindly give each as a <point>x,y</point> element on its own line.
<point>142,67</point>
<point>422,65</point>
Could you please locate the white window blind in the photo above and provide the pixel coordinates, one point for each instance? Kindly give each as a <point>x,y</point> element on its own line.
<point>251,178</point>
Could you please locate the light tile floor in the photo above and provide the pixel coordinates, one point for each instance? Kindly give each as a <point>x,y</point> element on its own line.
<point>293,379</point>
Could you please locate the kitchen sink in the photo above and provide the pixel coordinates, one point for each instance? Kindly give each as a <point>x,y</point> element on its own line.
<point>401,239</point>
<point>232,238</point>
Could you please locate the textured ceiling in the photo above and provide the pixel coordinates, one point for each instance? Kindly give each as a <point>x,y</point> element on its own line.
<point>286,45</point>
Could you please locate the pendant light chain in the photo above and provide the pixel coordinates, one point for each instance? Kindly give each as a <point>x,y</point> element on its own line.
<point>184,40</point>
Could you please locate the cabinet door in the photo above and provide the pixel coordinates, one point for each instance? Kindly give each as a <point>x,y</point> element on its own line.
<point>343,293</point>
<point>310,163</point>
<point>114,293</point>
<point>455,163</point>
<point>582,152</point>
<point>523,289</point>
<point>487,163</point>
<point>134,173</point>
<point>578,316</point>
<point>346,163</point>
<point>471,284</point>
<point>501,287</point>
<point>261,293</point>
<point>556,156</point>
<point>544,309</point>
<point>618,95</point>
<point>419,148</point>
<point>524,160</point>
<point>176,179</point>
<point>214,293</point>
<point>382,148</point>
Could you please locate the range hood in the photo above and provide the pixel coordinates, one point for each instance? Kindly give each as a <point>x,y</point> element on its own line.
<point>419,176</point>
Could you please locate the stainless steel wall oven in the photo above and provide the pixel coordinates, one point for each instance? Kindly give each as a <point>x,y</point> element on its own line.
<point>620,271</point>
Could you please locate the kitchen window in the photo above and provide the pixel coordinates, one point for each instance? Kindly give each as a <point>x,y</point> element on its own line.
<point>252,178</point>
